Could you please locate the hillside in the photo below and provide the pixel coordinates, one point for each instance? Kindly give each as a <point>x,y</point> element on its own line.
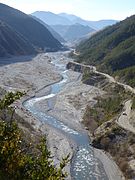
<point>12,43</point>
<point>112,49</point>
<point>32,30</point>
<point>61,29</point>
<point>73,32</point>
<point>54,33</point>
<point>69,26</point>
<point>76,31</point>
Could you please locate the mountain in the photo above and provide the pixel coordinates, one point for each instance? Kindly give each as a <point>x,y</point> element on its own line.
<point>54,33</point>
<point>101,24</point>
<point>112,50</point>
<point>69,26</point>
<point>51,18</point>
<point>70,19</point>
<point>76,31</point>
<point>12,43</point>
<point>28,27</point>
<point>93,24</point>
<point>61,29</point>
<point>73,32</point>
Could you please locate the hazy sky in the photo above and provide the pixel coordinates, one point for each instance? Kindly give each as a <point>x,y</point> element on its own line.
<point>87,9</point>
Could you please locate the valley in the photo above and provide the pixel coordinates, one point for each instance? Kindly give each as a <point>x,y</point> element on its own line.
<point>67,96</point>
<point>68,106</point>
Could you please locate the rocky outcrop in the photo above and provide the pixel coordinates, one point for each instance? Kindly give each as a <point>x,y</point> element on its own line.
<point>79,67</point>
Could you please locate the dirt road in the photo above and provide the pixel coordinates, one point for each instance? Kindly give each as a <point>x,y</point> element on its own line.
<point>123,119</point>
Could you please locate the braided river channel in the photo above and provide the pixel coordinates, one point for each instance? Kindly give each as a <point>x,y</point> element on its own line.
<point>84,165</point>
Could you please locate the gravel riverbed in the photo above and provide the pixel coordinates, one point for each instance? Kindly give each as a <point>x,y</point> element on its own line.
<point>68,106</point>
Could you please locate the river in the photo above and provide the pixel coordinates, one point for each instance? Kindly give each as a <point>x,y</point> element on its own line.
<point>84,165</point>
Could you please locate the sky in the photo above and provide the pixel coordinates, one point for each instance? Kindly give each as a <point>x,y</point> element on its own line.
<point>86,9</point>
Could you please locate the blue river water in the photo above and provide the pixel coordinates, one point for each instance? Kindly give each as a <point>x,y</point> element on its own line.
<point>84,165</point>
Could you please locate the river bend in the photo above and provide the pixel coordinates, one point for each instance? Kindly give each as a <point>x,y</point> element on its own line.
<point>84,165</point>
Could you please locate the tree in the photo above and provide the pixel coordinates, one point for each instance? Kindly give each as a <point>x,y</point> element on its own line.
<point>20,159</point>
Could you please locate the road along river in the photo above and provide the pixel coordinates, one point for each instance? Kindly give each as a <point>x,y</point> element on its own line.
<point>84,165</point>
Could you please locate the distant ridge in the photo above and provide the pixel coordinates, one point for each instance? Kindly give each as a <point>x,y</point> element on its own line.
<point>70,19</point>
<point>70,27</point>
<point>51,18</point>
<point>97,25</point>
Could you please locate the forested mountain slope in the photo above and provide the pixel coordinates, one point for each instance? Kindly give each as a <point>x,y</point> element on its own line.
<point>54,33</point>
<point>12,43</point>
<point>112,50</point>
<point>28,27</point>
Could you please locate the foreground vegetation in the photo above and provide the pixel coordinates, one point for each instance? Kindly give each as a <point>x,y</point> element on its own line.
<point>22,157</point>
